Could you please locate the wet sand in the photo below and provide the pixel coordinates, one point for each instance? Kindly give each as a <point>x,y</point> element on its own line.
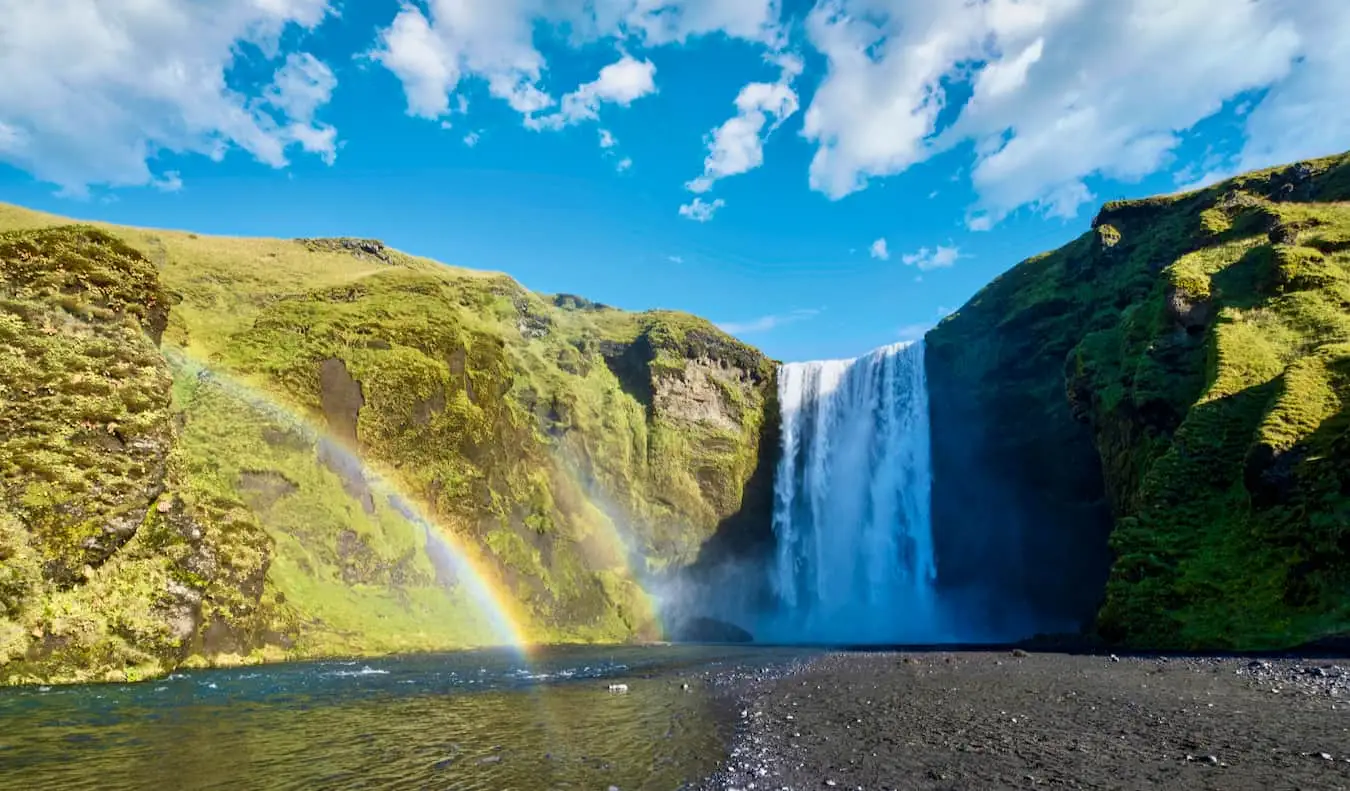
<point>996,720</point>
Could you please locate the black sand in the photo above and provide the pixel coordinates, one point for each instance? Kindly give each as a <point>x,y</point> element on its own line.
<point>1000,720</point>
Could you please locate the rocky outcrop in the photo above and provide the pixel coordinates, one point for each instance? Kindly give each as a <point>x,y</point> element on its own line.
<point>1149,424</point>
<point>363,249</point>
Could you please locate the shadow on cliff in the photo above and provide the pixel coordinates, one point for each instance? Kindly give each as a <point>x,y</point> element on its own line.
<point>1301,497</point>
<point>721,594</point>
<point>1020,518</point>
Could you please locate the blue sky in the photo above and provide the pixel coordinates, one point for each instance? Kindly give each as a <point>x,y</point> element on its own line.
<point>966,136</point>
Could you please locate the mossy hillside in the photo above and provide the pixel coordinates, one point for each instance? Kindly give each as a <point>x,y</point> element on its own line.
<point>495,408</point>
<point>1201,340</point>
<point>431,389</point>
<point>95,558</point>
<point>351,574</point>
<point>505,415</point>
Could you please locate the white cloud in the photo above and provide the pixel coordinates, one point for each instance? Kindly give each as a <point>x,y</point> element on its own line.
<point>1063,90</point>
<point>737,146</point>
<point>938,257</point>
<point>879,250</point>
<point>1306,115</point>
<point>766,323</point>
<point>700,210</point>
<point>673,21</point>
<point>675,259</point>
<point>91,91</point>
<point>622,82</point>
<point>169,182</point>
<point>432,45</point>
<point>609,145</point>
<point>472,138</point>
<point>301,86</point>
<point>11,139</point>
<point>980,222</point>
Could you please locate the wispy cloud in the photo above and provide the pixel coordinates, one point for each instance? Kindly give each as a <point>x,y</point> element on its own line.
<point>766,323</point>
<point>700,210</point>
<point>879,250</point>
<point>913,332</point>
<point>936,258</point>
<point>675,259</point>
<point>737,146</point>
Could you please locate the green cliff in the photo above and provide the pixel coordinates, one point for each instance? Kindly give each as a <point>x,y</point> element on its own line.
<point>220,450</point>
<point>1178,378</point>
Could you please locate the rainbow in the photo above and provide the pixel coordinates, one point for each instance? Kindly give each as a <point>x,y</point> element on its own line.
<point>470,568</point>
<point>610,533</point>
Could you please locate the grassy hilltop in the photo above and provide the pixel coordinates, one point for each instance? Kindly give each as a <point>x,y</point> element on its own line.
<point>1179,377</point>
<point>176,413</point>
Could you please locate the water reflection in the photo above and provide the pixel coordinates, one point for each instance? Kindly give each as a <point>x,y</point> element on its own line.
<point>466,721</point>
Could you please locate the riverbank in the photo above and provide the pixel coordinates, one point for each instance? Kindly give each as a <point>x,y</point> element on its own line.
<point>1011,719</point>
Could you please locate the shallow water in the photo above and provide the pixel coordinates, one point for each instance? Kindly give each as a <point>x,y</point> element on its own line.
<point>458,721</point>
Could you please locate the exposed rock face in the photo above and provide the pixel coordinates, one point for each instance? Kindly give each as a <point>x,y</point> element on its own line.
<point>264,488</point>
<point>1176,380</point>
<point>341,397</point>
<point>698,394</point>
<point>1189,314</point>
<point>365,249</point>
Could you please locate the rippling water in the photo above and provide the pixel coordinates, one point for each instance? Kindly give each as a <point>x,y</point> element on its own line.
<point>459,721</point>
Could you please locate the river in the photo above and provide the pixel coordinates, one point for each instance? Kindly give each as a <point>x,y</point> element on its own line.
<point>473,720</point>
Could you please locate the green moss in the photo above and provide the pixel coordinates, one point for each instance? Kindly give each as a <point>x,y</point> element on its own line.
<point>83,401</point>
<point>1206,359</point>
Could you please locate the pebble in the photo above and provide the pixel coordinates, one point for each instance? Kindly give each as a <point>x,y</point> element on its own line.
<point>776,754</point>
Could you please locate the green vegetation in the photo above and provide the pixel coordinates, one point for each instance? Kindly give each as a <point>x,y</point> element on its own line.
<point>212,450</point>
<point>1203,341</point>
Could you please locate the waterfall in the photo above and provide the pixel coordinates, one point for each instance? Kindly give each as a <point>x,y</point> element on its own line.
<point>852,501</point>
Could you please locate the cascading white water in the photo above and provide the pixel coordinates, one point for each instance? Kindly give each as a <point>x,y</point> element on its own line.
<point>852,501</point>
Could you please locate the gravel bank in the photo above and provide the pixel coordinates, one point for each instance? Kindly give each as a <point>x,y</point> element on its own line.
<point>996,720</point>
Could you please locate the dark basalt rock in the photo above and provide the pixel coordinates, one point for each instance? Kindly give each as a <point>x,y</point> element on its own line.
<point>708,630</point>
<point>1187,312</point>
<point>371,249</point>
